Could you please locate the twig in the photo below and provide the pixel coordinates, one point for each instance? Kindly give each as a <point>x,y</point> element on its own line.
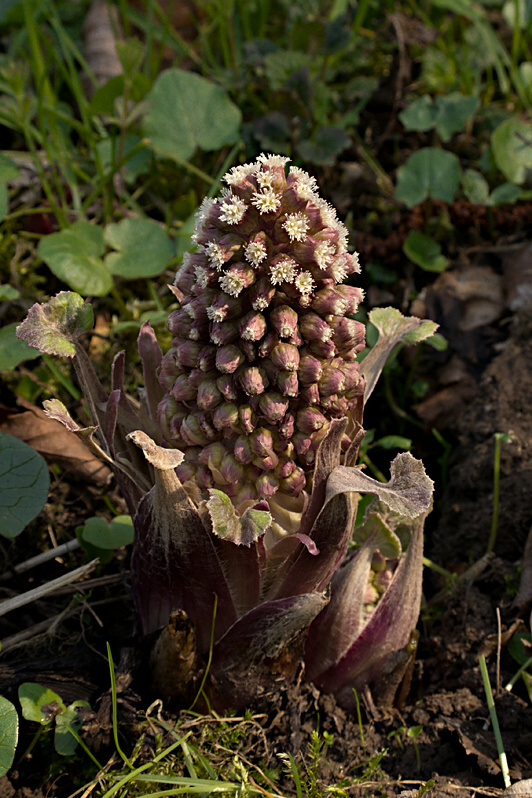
<point>41,558</point>
<point>44,590</point>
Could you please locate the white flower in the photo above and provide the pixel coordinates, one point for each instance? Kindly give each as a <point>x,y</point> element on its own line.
<point>215,254</point>
<point>296,225</point>
<point>304,282</point>
<point>202,276</point>
<point>255,252</point>
<point>239,173</point>
<point>264,179</point>
<point>340,268</point>
<point>272,160</point>
<point>323,254</point>
<point>260,303</point>
<point>305,185</point>
<point>233,210</point>
<point>356,263</point>
<point>266,201</point>
<point>283,272</point>
<point>215,314</point>
<point>201,215</point>
<point>232,283</point>
<point>327,213</point>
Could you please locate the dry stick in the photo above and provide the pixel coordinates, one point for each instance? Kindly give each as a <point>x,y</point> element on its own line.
<point>43,590</point>
<point>39,559</point>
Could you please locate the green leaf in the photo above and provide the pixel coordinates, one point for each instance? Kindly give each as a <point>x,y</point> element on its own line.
<point>135,165</point>
<point>511,143</point>
<point>143,248</point>
<point>281,65</point>
<point>8,293</point>
<point>8,171</point>
<point>429,173</point>
<point>506,193</point>
<point>394,442</point>
<point>8,734</point>
<point>186,112</point>
<point>226,524</point>
<point>383,538</point>
<point>64,741</point>
<point>447,114</point>
<point>438,342</point>
<point>419,115</point>
<point>74,256</point>
<point>53,328</point>
<point>109,536</point>
<point>24,484</point>
<point>325,145</point>
<point>475,187</point>
<point>452,113</point>
<point>12,350</point>
<point>39,703</point>
<point>425,252</point>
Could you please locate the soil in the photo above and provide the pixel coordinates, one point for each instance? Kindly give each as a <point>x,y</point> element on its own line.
<point>450,738</point>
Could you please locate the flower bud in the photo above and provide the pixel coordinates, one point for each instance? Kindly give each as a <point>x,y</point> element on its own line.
<point>284,320</point>
<point>253,380</point>
<point>225,415</point>
<point>212,455</point>
<point>206,358</point>
<point>261,294</point>
<point>310,420</point>
<point>294,483</point>
<point>332,382</point>
<point>204,478</point>
<point>329,301</point>
<point>187,353</point>
<point>273,406</point>
<point>310,370</point>
<point>224,307</point>
<point>266,485</point>
<point>179,323</point>
<point>253,326</point>
<point>191,431</point>
<point>285,467</point>
<point>186,471</point>
<point>288,383</point>
<point>287,426</point>
<point>209,395</point>
<point>181,390</point>
<point>248,418</point>
<point>223,332</point>
<point>226,386</point>
<point>231,470</point>
<point>285,357</point>
<point>267,345</point>
<point>310,394</point>
<point>325,350</point>
<point>314,328</point>
<point>229,358</point>
<point>242,450</point>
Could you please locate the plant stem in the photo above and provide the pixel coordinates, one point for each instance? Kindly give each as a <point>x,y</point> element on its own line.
<point>494,722</point>
<point>496,480</point>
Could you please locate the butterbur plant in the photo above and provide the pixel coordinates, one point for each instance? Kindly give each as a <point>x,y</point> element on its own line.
<point>239,463</point>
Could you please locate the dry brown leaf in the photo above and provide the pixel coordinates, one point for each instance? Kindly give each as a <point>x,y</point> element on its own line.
<point>55,442</point>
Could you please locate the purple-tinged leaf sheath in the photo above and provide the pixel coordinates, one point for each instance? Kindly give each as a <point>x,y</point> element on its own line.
<point>151,356</point>
<point>386,632</point>
<point>174,563</point>
<point>259,645</point>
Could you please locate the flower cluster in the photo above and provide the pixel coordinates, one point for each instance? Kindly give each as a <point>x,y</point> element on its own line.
<point>264,350</point>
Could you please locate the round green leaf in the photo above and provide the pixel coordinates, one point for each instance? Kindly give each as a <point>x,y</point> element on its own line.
<point>38,702</point>
<point>512,149</point>
<point>24,484</point>
<point>453,111</point>
<point>187,111</point>
<point>475,187</point>
<point>425,252</point>
<point>419,115</point>
<point>8,292</point>
<point>8,734</point>
<point>12,350</point>
<point>74,255</point>
<point>143,248</point>
<point>428,173</point>
<point>109,536</point>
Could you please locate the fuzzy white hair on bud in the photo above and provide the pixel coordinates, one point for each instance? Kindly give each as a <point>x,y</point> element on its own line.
<point>215,314</point>
<point>323,254</point>
<point>233,210</point>
<point>215,254</point>
<point>273,161</point>
<point>304,283</point>
<point>202,276</point>
<point>266,201</point>
<point>239,173</point>
<point>283,272</point>
<point>296,225</point>
<point>232,283</point>
<point>305,186</point>
<point>254,253</point>
<point>264,178</point>
<point>260,303</point>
